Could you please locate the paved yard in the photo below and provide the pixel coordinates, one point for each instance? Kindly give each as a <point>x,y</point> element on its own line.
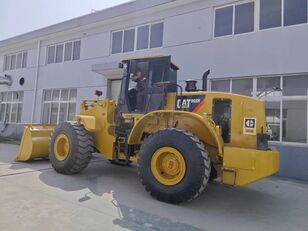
<point>107,197</point>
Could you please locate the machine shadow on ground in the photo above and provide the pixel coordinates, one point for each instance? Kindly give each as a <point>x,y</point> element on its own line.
<point>123,184</point>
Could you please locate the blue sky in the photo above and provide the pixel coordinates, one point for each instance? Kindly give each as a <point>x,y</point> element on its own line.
<point>21,16</point>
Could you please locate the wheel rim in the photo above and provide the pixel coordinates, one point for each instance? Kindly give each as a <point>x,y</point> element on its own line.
<point>61,147</point>
<point>168,166</point>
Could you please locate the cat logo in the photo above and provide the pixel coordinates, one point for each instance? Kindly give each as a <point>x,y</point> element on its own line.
<point>186,103</point>
<point>190,103</point>
<point>250,126</point>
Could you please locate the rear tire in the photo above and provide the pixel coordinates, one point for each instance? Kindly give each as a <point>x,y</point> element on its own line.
<point>196,159</point>
<point>74,156</point>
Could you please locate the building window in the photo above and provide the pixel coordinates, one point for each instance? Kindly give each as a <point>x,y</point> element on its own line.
<point>270,13</point>
<point>220,85</point>
<point>24,59</point>
<point>244,18</point>
<point>59,105</point>
<point>157,31</point>
<point>286,107</point>
<point>117,40</point>
<point>139,38</point>
<point>63,52</point>
<point>68,50</point>
<point>224,21</point>
<point>234,19</point>
<point>275,13</point>
<point>143,37</point>
<point>51,54</point>
<point>272,116</point>
<point>59,53</point>
<point>7,61</point>
<point>294,127</point>
<point>11,106</point>
<point>129,40</point>
<point>15,61</point>
<point>242,86</point>
<point>267,87</point>
<point>76,50</point>
<point>19,61</point>
<point>295,12</point>
<point>295,85</point>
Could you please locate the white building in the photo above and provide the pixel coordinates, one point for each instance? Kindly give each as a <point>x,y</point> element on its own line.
<point>250,46</point>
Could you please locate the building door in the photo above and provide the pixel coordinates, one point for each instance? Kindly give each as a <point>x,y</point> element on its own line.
<point>114,89</point>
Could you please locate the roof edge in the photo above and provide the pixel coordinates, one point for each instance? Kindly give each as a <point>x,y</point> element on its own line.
<point>105,14</point>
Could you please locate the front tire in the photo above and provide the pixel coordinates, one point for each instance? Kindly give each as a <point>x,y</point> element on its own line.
<point>174,166</point>
<point>70,148</point>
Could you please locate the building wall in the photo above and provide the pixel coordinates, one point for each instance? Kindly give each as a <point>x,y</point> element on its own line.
<point>188,38</point>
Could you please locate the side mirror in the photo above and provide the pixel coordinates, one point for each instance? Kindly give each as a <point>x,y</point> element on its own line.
<point>121,65</point>
<point>98,93</point>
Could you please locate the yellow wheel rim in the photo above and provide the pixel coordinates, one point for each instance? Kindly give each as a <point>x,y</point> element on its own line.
<point>61,147</point>
<point>168,166</point>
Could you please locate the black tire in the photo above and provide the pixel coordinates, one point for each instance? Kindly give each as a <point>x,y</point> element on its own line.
<point>80,152</point>
<point>198,166</point>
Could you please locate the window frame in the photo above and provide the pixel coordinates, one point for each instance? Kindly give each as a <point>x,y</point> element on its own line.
<point>281,15</point>
<point>282,18</point>
<point>57,101</point>
<point>12,102</point>
<point>123,40</point>
<point>55,45</point>
<point>149,37</point>
<point>257,18</point>
<point>256,9</point>
<point>24,56</point>
<point>136,38</point>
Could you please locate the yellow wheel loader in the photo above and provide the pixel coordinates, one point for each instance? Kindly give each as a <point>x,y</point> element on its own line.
<point>179,139</point>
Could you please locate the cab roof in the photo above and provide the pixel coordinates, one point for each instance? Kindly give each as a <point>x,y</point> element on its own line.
<point>173,66</point>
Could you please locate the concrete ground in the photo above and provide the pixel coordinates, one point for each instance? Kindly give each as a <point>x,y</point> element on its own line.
<point>106,197</point>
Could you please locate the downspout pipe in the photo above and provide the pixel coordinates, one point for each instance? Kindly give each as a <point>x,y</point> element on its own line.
<point>36,80</point>
<point>6,80</point>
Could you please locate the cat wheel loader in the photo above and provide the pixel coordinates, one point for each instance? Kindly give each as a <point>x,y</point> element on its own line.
<point>179,139</point>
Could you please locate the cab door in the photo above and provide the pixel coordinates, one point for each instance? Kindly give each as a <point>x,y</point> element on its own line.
<point>157,89</point>
<point>222,117</point>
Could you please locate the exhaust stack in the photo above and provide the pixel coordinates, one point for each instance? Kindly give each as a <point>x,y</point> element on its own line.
<point>204,80</point>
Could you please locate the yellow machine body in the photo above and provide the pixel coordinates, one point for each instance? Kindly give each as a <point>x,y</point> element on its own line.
<point>237,162</point>
<point>232,127</point>
<point>98,117</point>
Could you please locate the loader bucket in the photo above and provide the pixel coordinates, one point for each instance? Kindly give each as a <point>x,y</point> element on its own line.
<point>34,142</point>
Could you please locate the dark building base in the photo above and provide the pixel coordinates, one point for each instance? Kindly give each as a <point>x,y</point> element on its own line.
<point>293,162</point>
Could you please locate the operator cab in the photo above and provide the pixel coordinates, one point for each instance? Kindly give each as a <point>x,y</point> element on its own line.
<point>145,83</point>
